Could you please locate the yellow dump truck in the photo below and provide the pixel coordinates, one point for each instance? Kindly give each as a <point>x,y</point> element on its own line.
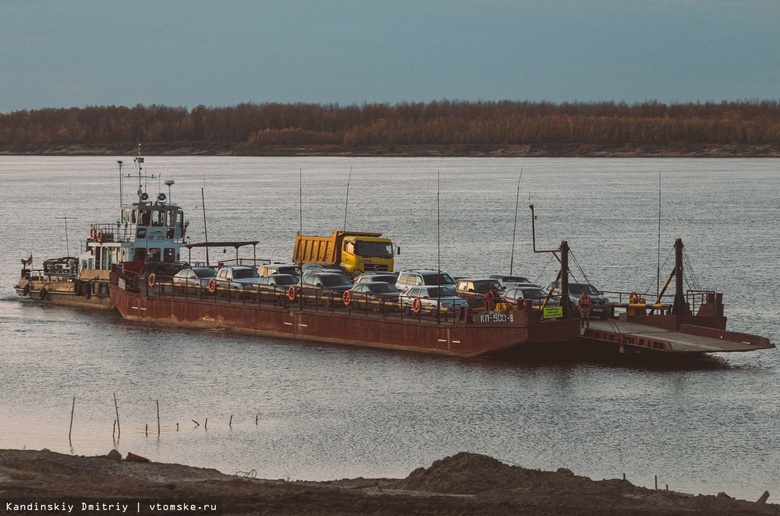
<point>355,252</point>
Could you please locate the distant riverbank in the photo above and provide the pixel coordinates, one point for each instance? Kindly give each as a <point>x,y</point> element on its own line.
<point>492,151</point>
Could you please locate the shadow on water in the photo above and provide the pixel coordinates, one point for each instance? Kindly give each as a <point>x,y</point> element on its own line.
<point>636,361</point>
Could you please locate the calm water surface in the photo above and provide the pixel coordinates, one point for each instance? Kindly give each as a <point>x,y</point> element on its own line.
<point>310,411</point>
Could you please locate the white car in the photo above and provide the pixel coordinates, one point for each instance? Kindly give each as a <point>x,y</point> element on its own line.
<point>237,278</point>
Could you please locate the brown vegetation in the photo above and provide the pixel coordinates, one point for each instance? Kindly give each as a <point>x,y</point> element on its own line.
<point>424,129</point>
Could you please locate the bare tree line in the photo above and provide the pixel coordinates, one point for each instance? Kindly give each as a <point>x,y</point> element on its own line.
<point>255,128</point>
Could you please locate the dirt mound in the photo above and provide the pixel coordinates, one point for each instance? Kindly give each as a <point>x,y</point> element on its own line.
<point>517,488</point>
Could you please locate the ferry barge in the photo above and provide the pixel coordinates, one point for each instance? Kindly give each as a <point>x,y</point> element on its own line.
<point>312,317</point>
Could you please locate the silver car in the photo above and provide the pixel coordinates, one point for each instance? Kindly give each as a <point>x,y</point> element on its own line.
<point>516,296</point>
<point>194,277</point>
<point>421,277</point>
<point>427,299</point>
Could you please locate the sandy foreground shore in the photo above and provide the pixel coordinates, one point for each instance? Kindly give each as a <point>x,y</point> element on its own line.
<point>44,482</point>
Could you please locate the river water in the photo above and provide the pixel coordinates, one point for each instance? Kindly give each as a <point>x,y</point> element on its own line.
<point>289,409</point>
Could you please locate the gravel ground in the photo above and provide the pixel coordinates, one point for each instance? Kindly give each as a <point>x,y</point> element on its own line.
<point>44,482</point>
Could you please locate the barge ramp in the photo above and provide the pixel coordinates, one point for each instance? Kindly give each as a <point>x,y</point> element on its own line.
<point>632,337</point>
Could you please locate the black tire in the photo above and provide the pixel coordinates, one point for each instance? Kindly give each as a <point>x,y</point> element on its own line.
<point>26,290</point>
<point>42,294</point>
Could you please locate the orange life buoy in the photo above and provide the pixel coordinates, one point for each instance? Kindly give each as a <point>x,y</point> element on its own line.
<point>347,297</point>
<point>100,236</point>
<point>292,293</point>
<point>416,305</point>
<point>212,285</point>
<point>152,279</point>
<point>92,232</point>
<point>633,297</point>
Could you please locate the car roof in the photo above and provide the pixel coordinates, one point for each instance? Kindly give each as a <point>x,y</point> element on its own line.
<point>428,287</point>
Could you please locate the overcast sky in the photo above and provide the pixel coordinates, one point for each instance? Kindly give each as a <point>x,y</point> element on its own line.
<point>221,53</point>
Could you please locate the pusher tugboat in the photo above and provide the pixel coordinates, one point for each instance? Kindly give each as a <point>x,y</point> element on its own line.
<point>149,231</point>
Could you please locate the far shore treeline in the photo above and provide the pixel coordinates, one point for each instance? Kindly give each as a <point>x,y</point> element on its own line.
<point>441,128</point>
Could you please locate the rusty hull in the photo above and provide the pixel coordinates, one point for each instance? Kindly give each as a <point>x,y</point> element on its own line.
<point>463,338</point>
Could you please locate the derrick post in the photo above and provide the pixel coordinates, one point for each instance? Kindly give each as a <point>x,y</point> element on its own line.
<point>568,308</point>
<point>679,307</point>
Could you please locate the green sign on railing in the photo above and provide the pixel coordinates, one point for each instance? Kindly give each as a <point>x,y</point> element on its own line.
<point>552,312</point>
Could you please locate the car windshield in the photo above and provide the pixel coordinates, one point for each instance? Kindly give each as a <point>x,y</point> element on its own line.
<point>483,287</point>
<point>245,273</point>
<point>533,293</point>
<point>438,292</point>
<point>577,288</point>
<point>381,287</point>
<point>377,249</point>
<point>285,280</point>
<point>334,280</point>
<point>204,273</point>
<point>438,279</point>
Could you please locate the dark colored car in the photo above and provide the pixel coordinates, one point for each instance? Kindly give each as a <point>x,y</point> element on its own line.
<point>276,285</point>
<point>474,290</point>
<point>324,287</point>
<point>600,305</point>
<point>376,295</point>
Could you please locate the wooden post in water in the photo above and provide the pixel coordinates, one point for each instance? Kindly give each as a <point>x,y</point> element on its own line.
<point>118,428</point>
<point>158,418</point>
<point>72,410</point>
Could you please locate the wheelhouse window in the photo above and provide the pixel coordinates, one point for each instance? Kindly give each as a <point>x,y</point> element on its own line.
<point>158,217</point>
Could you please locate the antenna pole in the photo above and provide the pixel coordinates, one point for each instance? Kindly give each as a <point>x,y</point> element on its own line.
<point>438,245</point>
<point>120,184</point>
<point>67,246</point>
<point>205,230</point>
<point>347,201</point>
<point>300,200</point>
<point>514,231</point>
<point>658,260</point>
